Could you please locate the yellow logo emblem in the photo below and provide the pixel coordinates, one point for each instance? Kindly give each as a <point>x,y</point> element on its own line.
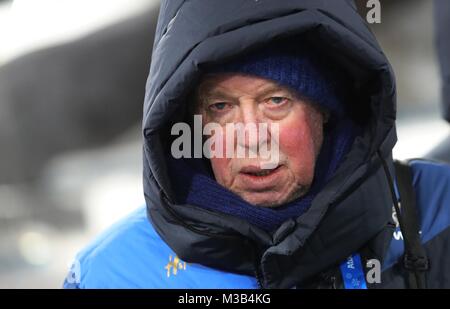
<point>175,265</point>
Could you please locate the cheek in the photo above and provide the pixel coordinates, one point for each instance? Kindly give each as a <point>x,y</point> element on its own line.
<point>221,169</point>
<point>298,144</point>
<point>295,140</point>
<point>222,165</point>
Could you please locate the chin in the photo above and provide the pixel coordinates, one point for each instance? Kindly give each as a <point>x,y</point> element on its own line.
<point>267,199</point>
<point>264,201</point>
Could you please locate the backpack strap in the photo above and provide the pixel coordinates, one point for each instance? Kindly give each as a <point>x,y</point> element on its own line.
<point>415,259</point>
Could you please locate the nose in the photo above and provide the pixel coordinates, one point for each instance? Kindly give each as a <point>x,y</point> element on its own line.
<point>249,112</point>
<point>248,128</point>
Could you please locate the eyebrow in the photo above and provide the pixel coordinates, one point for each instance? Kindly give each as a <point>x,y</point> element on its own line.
<point>261,93</point>
<point>216,93</point>
<point>273,88</point>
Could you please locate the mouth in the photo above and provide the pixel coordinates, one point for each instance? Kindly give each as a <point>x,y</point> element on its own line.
<point>258,178</point>
<point>259,173</point>
<point>262,173</point>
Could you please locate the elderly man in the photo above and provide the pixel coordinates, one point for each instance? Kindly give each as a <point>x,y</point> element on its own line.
<point>326,213</point>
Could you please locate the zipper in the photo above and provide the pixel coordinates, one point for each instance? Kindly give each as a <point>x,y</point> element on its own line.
<point>256,264</point>
<point>258,277</point>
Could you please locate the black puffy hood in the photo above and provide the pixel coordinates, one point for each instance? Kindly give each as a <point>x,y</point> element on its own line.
<point>352,208</point>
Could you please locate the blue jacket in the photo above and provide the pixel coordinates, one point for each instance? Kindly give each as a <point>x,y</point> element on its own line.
<point>130,254</point>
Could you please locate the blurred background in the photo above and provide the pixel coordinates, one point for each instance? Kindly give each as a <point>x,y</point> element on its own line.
<point>72,78</point>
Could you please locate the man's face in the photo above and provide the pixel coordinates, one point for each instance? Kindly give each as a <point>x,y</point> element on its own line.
<point>236,98</point>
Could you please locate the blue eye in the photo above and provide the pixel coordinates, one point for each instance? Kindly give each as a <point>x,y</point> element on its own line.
<point>219,106</point>
<point>277,100</point>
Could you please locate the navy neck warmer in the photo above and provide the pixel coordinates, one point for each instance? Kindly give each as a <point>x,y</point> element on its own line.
<point>299,69</point>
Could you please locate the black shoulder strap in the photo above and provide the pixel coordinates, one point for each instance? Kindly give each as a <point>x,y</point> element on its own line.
<point>415,259</point>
